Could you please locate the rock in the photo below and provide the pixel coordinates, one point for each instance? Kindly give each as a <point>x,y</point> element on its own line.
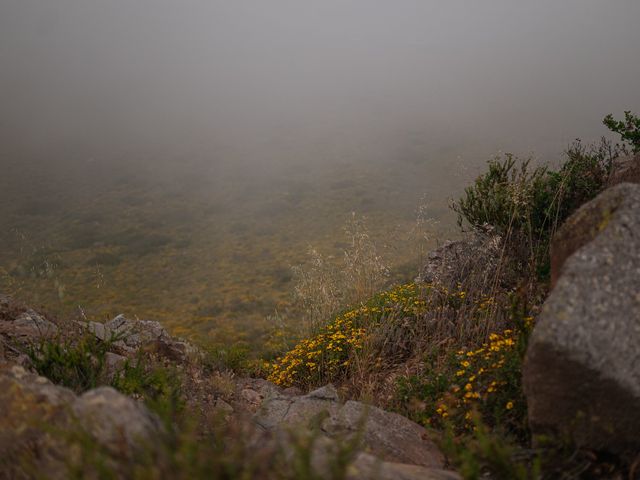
<point>23,325</point>
<point>473,260</point>
<point>223,407</point>
<point>129,336</point>
<point>251,396</point>
<point>368,467</point>
<point>582,368</point>
<point>253,392</point>
<point>28,403</point>
<point>626,170</point>
<point>43,425</point>
<point>34,325</point>
<point>323,452</point>
<point>583,226</point>
<point>328,392</point>
<point>387,435</point>
<point>292,391</point>
<point>114,363</point>
<point>301,411</point>
<point>117,422</point>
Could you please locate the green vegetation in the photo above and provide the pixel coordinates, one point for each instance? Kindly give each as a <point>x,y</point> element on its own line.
<point>160,387</point>
<point>76,364</point>
<point>629,129</point>
<point>80,364</point>
<point>526,204</point>
<point>484,451</point>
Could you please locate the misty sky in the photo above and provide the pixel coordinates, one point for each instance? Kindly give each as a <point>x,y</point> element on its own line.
<point>256,80</point>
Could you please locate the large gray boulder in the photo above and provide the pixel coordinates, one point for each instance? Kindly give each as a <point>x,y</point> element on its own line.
<point>582,369</point>
<point>388,436</point>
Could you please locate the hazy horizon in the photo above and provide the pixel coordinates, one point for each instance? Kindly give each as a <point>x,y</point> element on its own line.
<point>258,82</point>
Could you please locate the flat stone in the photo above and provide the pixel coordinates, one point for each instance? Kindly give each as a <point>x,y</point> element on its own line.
<point>389,436</point>
<point>368,467</point>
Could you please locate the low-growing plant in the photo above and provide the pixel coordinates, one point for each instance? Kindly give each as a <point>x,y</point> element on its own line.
<point>485,378</point>
<point>76,364</point>
<point>234,357</point>
<point>483,453</point>
<point>159,386</point>
<point>384,332</point>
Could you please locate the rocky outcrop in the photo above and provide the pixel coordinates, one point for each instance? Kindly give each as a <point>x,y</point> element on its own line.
<point>21,324</point>
<point>388,436</point>
<point>129,336</point>
<point>473,260</point>
<point>48,428</point>
<point>582,369</point>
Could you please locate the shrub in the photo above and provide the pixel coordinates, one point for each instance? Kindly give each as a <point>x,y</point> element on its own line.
<point>78,365</point>
<point>525,204</point>
<point>629,129</point>
<point>160,387</point>
<point>505,197</point>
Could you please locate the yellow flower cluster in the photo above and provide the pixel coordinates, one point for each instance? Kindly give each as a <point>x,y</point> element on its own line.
<point>479,379</point>
<point>325,356</point>
<point>321,357</point>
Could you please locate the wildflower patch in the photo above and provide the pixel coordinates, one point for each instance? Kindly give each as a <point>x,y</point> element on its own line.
<point>326,356</point>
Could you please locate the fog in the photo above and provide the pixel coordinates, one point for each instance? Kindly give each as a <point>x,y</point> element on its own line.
<point>262,81</point>
<point>173,159</point>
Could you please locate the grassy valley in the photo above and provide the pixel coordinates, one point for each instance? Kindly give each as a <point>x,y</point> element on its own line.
<point>208,255</point>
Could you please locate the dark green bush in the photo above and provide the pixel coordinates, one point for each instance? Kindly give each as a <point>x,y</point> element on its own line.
<point>629,129</point>
<point>525,204</point>
<point>78,365</point>
<point>510,197</point>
